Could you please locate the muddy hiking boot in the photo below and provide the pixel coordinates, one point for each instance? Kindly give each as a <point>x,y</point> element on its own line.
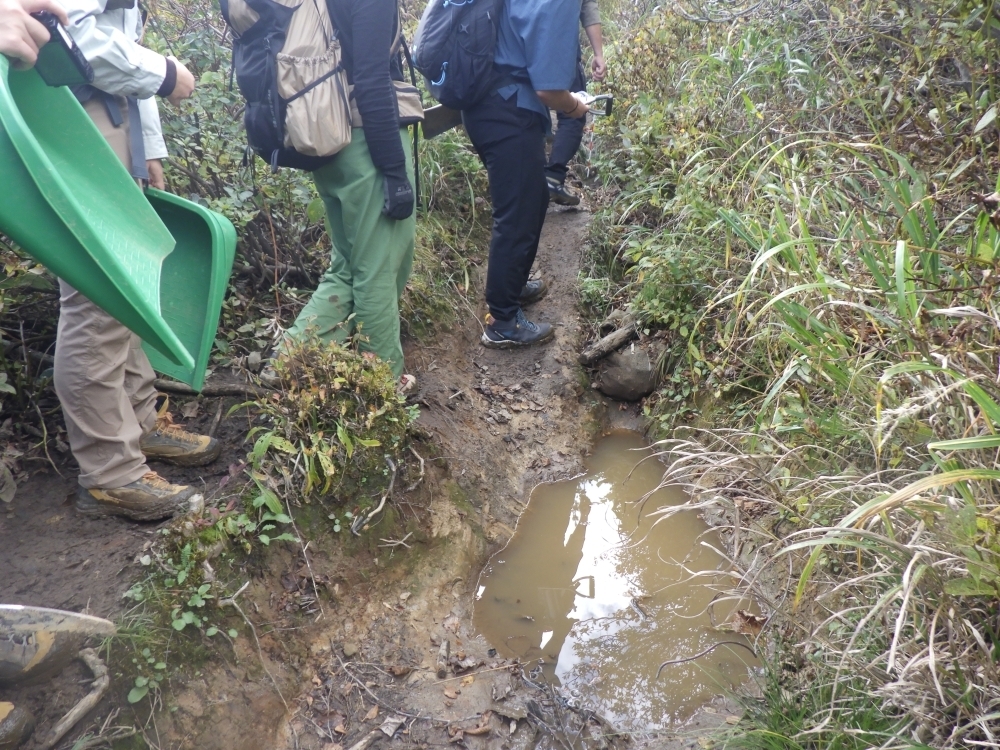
<point>519,332</point>
<point>533,291</point>
<point>171,444</point>
<point>151,498</point>
<point>16,725</point>
<point>31,657</point>
<point>559,193</point>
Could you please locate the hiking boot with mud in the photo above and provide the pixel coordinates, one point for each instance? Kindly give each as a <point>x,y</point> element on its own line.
<point>16,725</point>
<point>172,444</point>
<point>151,498</point>
<point>28,657</point>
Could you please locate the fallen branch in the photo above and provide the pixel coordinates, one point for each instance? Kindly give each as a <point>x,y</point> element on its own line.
<point>87,703</point>
<point>603,347</point>
<point>363,520</point>
<point>209,391</point>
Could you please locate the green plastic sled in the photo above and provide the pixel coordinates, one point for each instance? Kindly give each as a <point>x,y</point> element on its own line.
<point>193,279</point>
<point>66,199</point>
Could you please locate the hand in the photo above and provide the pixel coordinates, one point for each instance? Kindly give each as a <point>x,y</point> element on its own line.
<point>21,35</point>
<point>184,86</point>
<point>598,68</point>
<point>155,169</point>
<point>398,195</point>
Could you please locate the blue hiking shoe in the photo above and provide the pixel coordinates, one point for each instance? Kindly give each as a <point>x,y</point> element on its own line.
<point>519,332</point>
<point>533,291</point>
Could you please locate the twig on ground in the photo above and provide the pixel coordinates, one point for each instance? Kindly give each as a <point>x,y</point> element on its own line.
<point>305,554</point>
<point>393,543</point>
<point>209,391</point>
<point>363,520</point>
<point>421,477</point>
<point>216,420</point>
<point>231,601</point>
<point>87,703</point>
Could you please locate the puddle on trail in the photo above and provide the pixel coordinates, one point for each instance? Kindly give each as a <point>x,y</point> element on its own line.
<point>601,595</point>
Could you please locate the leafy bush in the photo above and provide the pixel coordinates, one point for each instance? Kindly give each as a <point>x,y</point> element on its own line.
<point>336,424</point>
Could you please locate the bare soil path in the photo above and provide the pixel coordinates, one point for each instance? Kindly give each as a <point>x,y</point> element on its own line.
<point>360,669</point>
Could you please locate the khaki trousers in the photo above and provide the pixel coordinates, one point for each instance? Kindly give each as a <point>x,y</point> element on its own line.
<point>102,377</point>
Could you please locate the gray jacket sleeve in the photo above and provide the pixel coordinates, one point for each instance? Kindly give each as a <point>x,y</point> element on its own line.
<point>108,39</point>
<point>590,14</point>
<point>152,133</point>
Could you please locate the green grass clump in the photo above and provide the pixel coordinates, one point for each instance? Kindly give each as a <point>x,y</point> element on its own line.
<point>336,423</point>
<point>802,199</point>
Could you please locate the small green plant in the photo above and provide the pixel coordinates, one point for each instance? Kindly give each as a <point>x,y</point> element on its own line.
<point>331,427</point>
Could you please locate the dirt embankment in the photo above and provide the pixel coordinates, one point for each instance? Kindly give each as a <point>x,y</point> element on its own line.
<point>493,424</point>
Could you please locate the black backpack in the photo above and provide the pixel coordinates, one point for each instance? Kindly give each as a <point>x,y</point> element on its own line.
<point>454,48</point>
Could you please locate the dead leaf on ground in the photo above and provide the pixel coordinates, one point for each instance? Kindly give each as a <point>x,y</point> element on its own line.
<point>331,746</point>
<point>190,409</point>
<point>449,693</point>
<point>732,719</point>
<point>372,713</point>
<point>400,670</point>
<point>467,680</point>
<point>339,729</point>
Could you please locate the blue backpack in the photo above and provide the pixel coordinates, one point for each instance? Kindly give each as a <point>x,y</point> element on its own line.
<point>454,48</point>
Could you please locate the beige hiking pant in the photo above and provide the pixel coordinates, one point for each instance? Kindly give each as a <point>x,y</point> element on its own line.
<point>102,377</point>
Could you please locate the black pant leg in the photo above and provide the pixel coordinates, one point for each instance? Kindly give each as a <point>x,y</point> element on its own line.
<point>511,143</point>
<point>569,134</point>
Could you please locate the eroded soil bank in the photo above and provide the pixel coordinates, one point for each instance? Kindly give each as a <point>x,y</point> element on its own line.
<point>358,667</point>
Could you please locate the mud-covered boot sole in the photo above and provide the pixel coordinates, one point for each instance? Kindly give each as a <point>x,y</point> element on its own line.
<point>88,505</point>
<point>188,459</point>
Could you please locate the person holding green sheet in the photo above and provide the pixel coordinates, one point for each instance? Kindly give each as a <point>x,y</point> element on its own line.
<point>102,377</point>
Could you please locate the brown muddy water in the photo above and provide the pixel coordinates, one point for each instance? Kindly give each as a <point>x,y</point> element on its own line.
<point>600,595</point>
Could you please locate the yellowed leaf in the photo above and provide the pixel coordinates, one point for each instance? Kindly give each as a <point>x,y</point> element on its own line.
<point>468,680</point>
<point>372,713</point>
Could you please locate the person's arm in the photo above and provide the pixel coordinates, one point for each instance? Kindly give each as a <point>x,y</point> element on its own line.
<point>373,25</point>
<point>564,101</point>
<point>21,36</point>
<point>121,66</point>
<point>598,67</point>
<point>551,40</point>
<point>152,140</point>
<point>590,19</point>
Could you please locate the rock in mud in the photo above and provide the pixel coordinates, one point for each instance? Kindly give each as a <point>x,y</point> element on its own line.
<point>629,375</point>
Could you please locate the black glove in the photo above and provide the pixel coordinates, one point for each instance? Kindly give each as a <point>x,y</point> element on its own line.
<point>398,195</point>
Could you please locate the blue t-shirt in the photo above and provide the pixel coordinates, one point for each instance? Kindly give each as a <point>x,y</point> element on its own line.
<point>539,41</point>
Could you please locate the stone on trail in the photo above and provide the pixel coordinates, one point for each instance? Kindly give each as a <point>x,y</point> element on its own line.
<point>628,375</point>
<point>350,650</point>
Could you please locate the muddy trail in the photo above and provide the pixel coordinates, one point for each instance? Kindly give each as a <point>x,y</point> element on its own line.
<point>356,643</point>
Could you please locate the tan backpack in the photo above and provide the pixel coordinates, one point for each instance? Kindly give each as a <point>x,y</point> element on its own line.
<point>288,63</point>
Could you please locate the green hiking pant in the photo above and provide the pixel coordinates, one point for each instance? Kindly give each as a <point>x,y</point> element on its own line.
<point>371,257</point>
